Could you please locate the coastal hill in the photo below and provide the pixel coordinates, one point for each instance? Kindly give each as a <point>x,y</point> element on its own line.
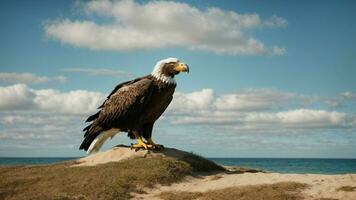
<point>122,173</point>
<point>122,153</point>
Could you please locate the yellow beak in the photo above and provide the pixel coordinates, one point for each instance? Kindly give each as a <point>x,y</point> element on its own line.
<point>182,67</point>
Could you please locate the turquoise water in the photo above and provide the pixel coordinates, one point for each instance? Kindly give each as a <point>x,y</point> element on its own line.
<point>32,161</point>
<point>281,165</point>
<point>294,165</point>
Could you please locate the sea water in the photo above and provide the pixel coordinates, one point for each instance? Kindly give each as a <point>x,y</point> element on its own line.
<point>293,165</point>
<point>32,161</point>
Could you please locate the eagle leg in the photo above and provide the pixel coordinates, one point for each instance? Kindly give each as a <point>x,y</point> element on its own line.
<point>153,145</point>
<point>139,145</point>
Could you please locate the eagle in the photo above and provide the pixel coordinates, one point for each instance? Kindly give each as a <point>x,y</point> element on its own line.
<point>133,107</point>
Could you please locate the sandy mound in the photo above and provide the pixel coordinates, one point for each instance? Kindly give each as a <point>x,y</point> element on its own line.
<point>107,180</point>
<point>122,153</point>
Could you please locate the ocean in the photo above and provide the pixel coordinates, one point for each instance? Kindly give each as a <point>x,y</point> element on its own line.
<point>280,165</point>
<point>32,161</point>
<point>294,165</point>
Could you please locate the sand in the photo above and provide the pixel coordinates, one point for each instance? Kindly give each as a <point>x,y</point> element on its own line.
<point>320,186</point>
<point>122,153</point>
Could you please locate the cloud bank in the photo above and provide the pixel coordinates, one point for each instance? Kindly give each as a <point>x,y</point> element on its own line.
<point>100,72</point>
<point>248,109</point>
<point>257,110</point>
<point>21,97</point>
<point>161,24</point>
<point>32,120</point>
<point>29,78</point>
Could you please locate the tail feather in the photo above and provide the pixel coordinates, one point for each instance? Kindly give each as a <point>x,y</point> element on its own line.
<point>93,117</point>
<point>89,138</point>
<point>87,128</point>
<point>98,142</point>
<point>95,136</point>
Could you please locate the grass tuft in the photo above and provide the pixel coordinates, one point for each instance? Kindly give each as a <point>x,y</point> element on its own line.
<point>107,181</point>
<point>278,191</point>
<point>116,180</point>
<point>200,164</point>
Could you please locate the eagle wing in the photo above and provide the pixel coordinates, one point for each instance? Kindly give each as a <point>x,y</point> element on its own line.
<point>126,100</point>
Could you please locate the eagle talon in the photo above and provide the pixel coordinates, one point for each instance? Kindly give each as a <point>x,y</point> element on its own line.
<point>137,148</point>
<point>154,145</point>
<point>139,145</point>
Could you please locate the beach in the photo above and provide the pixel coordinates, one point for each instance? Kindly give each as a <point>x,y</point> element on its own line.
<point>317,186</point>
<point>171,174</point>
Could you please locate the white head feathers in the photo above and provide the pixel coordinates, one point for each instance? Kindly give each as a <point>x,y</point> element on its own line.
<point>157,71</point>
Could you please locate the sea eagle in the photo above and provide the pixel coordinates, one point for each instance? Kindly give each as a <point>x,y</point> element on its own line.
<point>133,107</point>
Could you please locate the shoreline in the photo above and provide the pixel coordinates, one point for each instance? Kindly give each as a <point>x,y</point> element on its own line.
<point>313,166</point>
<point>168,174</point>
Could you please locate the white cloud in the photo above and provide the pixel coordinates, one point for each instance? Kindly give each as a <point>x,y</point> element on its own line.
<point>259,110</point>
<point>51,120</point>
<point>276,21</point>
<point>26,133</point>
<point>190,102</point>
<point>19,96</point>
<point>11,119</point>
<point>16,97</point>
<point>159,24</point>
<point>246,110</point>
<point>341,100</point>
<point>76,102</point>
<point>27,118</point>
<point>278,50</point>
<point>348,95</point>
<point>100,72</point>
<point>28,78</point>
<point>301,118</point>
<point>291,120</point>
<point>253,99</point>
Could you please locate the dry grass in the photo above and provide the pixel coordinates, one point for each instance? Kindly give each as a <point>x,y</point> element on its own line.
<point>200,164</point>
<point>106,181</point>
<point>278,191</point>
<point>346,189</point>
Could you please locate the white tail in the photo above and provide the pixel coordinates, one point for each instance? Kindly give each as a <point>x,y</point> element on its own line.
<point>100,140</point>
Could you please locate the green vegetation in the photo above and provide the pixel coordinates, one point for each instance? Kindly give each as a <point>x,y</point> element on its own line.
<point>114,180</point>
<point>278,191</point>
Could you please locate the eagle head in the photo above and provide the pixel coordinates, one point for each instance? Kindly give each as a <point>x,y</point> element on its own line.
<point>166,69</point>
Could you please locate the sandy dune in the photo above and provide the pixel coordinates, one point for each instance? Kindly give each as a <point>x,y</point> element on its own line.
<point>321,186</point>
<point>122,153</point>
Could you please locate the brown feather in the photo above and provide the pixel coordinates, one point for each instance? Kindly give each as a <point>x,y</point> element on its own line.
<point>119,109</point>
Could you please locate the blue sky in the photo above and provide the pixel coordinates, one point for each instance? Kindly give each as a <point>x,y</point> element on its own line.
<point>268,79</point>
